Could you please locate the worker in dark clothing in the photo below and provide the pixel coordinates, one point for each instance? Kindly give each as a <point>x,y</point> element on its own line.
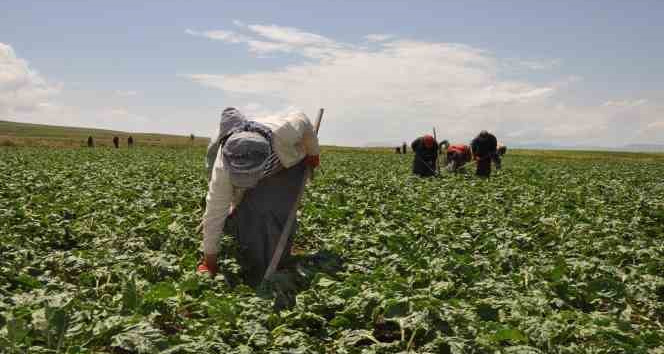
<point>497,157</point>
<point>116,142</point>
<point>130,141</point>
<point>91,142</point>
<point>426,155</point>
<point>398,150</point>
<point>484,148</point>
<point>404,148</point>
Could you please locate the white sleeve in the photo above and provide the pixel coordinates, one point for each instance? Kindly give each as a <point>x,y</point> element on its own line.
<point>308,136</point>
<point>219,198</point>
<point>310,141</point>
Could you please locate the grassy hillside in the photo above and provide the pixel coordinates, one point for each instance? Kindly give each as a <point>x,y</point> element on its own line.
<point>25,134</point>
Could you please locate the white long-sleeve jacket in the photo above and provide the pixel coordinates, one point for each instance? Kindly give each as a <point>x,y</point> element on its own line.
<point>293,138</point>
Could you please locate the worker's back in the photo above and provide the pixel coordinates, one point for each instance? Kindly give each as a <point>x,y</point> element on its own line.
<point>484,144</point>
<point>425,150</point>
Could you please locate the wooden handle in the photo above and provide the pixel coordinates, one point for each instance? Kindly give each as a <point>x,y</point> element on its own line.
<point>318,120</point>
<point>283,239</point>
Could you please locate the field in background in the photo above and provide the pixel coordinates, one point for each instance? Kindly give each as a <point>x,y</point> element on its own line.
<point>39,135</point>
<point>561,155</point>
<point>560,252</point>
<point>25,134</point>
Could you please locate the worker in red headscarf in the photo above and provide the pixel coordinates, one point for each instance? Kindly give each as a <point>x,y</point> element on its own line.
<point>426,155</point>
<point>457,155</point>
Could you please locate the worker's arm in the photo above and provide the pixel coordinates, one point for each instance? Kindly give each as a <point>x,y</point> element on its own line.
<point>493,143</point>
<point>219,199</point>
<point>415,145</point>
<point>211,156</point>
<point>496,160</point>
<point>475,149</point>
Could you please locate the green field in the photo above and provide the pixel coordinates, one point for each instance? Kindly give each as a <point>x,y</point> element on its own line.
<point>25,134</point>
<point>560,252</point>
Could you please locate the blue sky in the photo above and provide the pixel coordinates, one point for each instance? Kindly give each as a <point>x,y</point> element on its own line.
<point>564,72</point>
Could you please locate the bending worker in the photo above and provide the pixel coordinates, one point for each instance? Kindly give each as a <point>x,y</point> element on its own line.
<point>425,149</point>
<point>484,148</point>
<point>500,152</point>
<point>457,156</point>
<point>256,171</point>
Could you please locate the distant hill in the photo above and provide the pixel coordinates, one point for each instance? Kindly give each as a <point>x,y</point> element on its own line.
<point>27,134</point>
<point>627,148</point>
<point>382,144</point>
<point>645,147</point>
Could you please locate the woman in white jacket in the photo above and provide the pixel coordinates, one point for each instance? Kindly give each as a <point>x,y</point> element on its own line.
<point>256,168</point>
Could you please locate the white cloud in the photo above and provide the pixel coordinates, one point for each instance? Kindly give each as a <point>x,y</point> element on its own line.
<point>656,125</point>
<point>290,35</point>
<point>226,36</point>
<point>398,89</point>
<point>625,103</point>
<point>388,90</point>
<point>26,96</point>
<point>275,39</point>
<point>378,37</point>
<point>262,47</point>
<point>21,87</point>
<point>651,133</point>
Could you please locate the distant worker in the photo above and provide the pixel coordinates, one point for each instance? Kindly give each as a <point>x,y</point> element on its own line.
<point>130,141</point>
<point>425,149</point>
<point>398,150</point>
<point>91,142</point>
<point>192,137</point>
<point>497,157</point>
<point>442,149</point>
<point>502,150</point>
<point>484,148</point>
<point>257,170</point>
<point>116,142</point>
<point>404,148</point>
<point>457,156</point>
<point>443,145</point>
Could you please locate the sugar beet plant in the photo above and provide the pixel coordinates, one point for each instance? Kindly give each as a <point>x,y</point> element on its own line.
<point>555,254</point>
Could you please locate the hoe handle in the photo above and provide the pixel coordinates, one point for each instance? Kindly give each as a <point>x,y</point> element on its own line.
<point>283,239</point>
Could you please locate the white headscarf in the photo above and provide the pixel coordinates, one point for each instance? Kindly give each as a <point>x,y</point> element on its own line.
<point>231,119</point>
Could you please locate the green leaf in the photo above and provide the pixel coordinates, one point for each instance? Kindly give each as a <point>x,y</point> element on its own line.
<point>141,338</point>
<point>130,297</point>
<point>510,334</point>
<point>160,291</point>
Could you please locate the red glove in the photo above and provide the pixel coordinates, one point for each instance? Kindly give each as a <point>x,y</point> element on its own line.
<point>312,160</point>
<point>202,268</point>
